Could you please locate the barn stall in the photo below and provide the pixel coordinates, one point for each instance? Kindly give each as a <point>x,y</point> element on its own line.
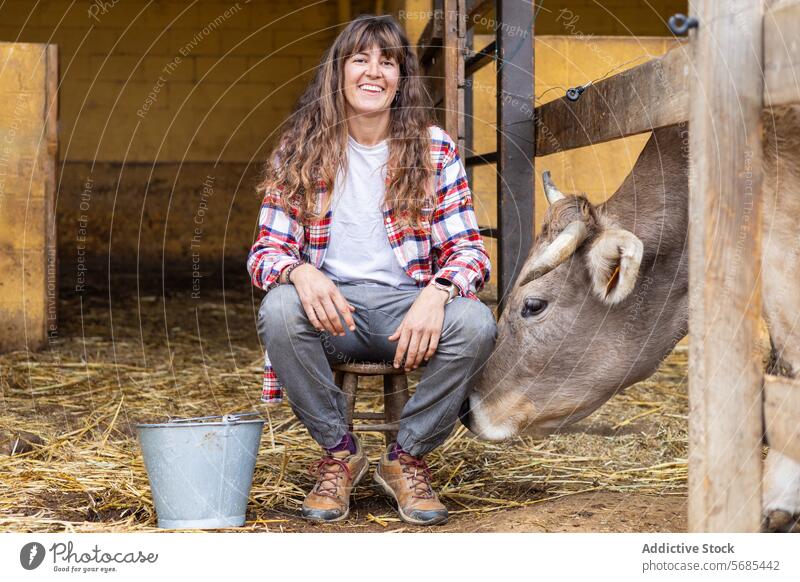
<point>153,318</point>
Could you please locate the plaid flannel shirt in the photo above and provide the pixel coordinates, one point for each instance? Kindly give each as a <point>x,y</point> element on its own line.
<point>446,245</point>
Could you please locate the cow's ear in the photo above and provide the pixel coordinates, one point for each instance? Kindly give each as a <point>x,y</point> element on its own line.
<point>613,261</point>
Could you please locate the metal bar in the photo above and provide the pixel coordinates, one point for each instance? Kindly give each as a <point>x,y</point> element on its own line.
<point>515,141</point>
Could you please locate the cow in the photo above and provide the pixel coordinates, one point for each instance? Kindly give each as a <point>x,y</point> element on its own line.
<point>603,297</point>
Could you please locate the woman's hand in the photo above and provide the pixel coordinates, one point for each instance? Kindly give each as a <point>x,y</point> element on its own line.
<point>321,299</point>
<point>421,328</point>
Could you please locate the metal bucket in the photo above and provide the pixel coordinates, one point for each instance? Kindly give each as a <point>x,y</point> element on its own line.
<point>201,469</point>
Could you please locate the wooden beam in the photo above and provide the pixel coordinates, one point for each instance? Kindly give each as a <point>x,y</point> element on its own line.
<point>476,10</point>
<point>653,95</point>
<point>489,231</point>
<point>481,159</point>
<point>781,413</point>
<point>430,41</point>
<point>461,79</point>
<point>435,75</point>
<point>782,54</point>
<point>453,63</point>
<point>50,170</point>
<point>469,110</point>
<point>480,59</point>
<point>725,371</point>
<point>515,142</point>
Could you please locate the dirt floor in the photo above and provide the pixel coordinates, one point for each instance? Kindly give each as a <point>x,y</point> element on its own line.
<point>137,356</point>
<point>599,511</point>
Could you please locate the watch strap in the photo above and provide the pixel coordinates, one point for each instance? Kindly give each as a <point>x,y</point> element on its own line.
<point>448,286</point>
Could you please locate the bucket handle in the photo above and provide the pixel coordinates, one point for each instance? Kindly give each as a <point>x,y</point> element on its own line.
<point>225,417</point>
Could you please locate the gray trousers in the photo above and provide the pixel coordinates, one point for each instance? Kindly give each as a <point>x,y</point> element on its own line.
<point>302,358</point>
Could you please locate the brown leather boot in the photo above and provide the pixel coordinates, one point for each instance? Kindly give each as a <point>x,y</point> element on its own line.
<point>408,480</point>
<point>337,474</point>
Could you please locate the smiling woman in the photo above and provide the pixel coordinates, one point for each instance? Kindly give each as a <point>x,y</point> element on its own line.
<point>370,83</point>
<point>367,224</point>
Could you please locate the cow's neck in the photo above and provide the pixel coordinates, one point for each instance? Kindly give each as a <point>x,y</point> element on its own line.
<point>653,200</point>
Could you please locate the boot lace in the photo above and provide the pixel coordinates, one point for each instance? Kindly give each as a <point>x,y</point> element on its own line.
<point>418,475</point>
<point>328,471</point>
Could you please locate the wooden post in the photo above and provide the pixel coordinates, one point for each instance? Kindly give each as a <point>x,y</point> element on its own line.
<point>50,171</point>
<point>395,396</point>
<point>725,373</point>
<point>461,84</point>
<point>28,161</point>
<point>350,387</point>
<point>781,413</point>
<point>469,125</point>
<point>515,141</point>
<point>453,54</point>
<point>781,53</point>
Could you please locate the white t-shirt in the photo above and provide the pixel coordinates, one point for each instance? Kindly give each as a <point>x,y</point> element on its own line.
<point>359,250</point>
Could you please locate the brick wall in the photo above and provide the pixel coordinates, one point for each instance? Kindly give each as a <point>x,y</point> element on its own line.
<point>176,80</point>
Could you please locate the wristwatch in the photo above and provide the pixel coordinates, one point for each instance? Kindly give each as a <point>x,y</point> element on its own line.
<point>446,285</point>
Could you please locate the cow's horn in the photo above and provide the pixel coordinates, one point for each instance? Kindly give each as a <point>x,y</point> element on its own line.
<point>558,251</point>
<point>553,194</point>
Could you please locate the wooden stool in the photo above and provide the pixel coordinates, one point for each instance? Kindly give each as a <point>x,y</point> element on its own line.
<point>395,396</point>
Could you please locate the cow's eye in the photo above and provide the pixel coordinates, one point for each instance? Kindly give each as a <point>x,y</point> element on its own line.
<point>533,306</point>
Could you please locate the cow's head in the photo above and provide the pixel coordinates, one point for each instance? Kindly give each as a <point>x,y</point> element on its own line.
<point>575,329</point>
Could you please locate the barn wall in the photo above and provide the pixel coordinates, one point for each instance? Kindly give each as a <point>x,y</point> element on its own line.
<point>573,45</point>
<point>156,100</point>
<point>607,17</point>
<point>562,62</point>
<point>559,17</point>
<point>159,102</point>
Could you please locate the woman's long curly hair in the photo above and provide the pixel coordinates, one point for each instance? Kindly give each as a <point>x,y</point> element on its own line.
<point>313,144</point>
